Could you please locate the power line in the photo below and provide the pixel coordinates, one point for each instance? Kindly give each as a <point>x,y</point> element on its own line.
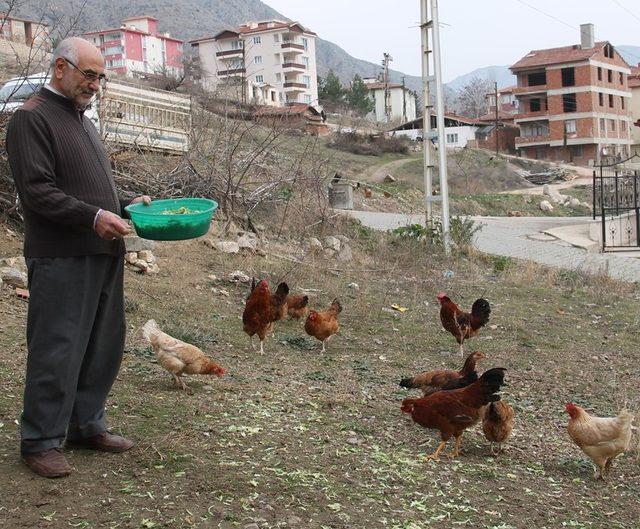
<point>574,27</point>
<point>626,9</point>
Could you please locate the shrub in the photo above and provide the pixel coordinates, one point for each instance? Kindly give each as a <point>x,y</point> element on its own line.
<point>369,145</point>
<point>461,230</point>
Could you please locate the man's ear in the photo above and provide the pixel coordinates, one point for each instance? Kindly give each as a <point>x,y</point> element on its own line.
<point>59,67</point>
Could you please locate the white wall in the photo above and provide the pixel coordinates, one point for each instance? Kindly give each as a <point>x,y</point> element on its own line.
<point>396,101</point>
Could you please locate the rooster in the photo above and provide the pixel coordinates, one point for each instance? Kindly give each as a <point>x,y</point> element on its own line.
<point>460,324</point>
<point>323,325</point>
<point>262,310</point>
<point>178,357</point>
<point>452,412</point>
<point>432,381</point>
<point>497,424</point>
<point>601,438</point>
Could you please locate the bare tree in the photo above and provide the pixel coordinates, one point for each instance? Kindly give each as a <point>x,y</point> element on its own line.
<point>473,97</point>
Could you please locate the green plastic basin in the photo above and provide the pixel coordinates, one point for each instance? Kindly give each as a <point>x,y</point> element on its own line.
<point>174,219</point>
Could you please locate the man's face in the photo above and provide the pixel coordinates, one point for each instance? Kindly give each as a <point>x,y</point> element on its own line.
<point>79,81</point>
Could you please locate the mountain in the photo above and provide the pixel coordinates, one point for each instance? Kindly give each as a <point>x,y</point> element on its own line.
<point>197,18</point>
<point>501,74</point>
<point>631,54</point>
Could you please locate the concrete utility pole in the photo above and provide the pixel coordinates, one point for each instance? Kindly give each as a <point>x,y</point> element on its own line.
<point>495,89</point>
<point>387,92</point>
<point>404,103</point>
<point>433,26</point>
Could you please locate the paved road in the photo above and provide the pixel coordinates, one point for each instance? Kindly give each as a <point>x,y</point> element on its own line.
<point>522,238</point>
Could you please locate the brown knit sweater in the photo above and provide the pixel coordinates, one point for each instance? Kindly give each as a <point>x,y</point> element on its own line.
<point>63,176</point>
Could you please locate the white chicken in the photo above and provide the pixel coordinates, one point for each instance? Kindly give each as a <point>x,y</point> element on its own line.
<point>601,438</point>
<point>178,357</point>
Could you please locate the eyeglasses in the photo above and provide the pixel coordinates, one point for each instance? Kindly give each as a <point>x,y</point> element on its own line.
<point>90,76</point>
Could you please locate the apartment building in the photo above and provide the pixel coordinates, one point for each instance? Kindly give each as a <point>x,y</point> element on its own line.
<point>29,32</point>
<point>634,86</point>
<point>137,48</point>
<point>401,101</point>
<point>266,63</point>
<point>574,102</point>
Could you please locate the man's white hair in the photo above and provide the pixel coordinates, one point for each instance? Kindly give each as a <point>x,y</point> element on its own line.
<point>67,49</point>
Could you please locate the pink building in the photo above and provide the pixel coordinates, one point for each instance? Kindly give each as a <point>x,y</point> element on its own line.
<point>137,48</point>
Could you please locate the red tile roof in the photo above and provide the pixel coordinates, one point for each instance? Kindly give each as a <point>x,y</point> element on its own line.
<point>557,56</point>
<point>245,29</point>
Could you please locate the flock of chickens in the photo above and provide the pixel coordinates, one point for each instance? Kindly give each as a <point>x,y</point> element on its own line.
<point>452,401</point>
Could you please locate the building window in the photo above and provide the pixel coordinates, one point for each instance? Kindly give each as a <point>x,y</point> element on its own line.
<point>452,138</point>
<point>257,39</point>
<point>276,37</point>
<point>576,151</point>
<point>537,79</point>
<point>305,43</point>
<point>601,99</point>
<point>612,123</point>
<point>236,44</point>
<point>278,78</point>
<point>259,78</point>
<point>621,78</point>
<point>257,59</point>
<point>608,51</point>
<point>568,77</point>
<point>610,100</point>
<point>610,76</point>
<point>570,126</point>
<point>306,80</point>
<point>307,99</point>
<point>603,126</point>
<point>305,61</point>
<point>276,58</point>
<point>599,73</point>
<point>623,126</point>
<point>622,102</point>
<point>534,105</point>
<point>569,103</point>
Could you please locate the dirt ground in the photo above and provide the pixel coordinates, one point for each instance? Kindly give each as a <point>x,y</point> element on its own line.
<point>300,439</point>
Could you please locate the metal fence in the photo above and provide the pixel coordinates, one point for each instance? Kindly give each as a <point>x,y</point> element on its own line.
<point>616,200</point>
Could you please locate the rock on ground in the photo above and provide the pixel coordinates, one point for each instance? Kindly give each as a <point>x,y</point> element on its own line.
<point>545,205</point>
<point>13,277</point>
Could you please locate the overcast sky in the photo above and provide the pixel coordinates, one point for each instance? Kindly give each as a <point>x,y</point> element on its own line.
<point>474,33</point>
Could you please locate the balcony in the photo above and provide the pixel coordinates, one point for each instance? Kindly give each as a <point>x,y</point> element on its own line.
<point>293,67</point>
<point>523,141</point>
<point>542,115</point>
<point>230,54</point>
<point>295,87</point>
<point>522,90</point>
<point>235,71</point>
<point>292,47</point>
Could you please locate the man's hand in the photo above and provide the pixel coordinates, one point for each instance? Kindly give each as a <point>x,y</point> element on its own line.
<point>109,226</point>
<point>144,198</point>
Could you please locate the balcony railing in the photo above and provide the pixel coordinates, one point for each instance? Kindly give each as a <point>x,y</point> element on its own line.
<point>529,89</point>
<point>524,140</point>
<point>302,86</point>
<point>539,114</point>
<point>293,65</point>
<point>234,71</point>
<point>229,53</point>
<point>292,46</point>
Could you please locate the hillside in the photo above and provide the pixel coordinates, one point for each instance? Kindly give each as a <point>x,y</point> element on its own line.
<point>197,18</point>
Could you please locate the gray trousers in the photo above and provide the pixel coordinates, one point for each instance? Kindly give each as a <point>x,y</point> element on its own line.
<point>75,340</point>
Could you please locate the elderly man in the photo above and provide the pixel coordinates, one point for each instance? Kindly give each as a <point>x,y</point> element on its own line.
<point>74,251</point>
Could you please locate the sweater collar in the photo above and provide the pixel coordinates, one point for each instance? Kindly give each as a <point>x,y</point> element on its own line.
<point>48,92</point>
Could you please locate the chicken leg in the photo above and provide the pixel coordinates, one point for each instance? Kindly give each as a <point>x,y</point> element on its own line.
<point>435,455</point>
<point>179,382</point>
<point>456,448</point>
<point>261,346</point>
<point>323,346</point>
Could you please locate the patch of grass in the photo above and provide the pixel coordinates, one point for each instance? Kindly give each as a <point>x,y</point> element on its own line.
<point>501,263</point>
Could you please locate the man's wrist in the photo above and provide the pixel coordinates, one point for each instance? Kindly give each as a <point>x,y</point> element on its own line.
<point>95,219</point>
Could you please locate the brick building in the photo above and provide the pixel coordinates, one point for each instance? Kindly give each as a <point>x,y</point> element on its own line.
<point>32,33</point>
<point>574,102</point>
<point>634,86</point>
<point>137,48</point>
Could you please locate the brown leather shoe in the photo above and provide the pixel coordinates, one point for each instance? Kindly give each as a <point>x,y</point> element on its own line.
<point>105,441</point>
<point>48,464</point>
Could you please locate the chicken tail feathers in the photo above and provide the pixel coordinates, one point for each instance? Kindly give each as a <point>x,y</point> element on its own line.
<point>149,329</point>
<point>480,312</point>
<point>407,383</point>
<point>490,383</point>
